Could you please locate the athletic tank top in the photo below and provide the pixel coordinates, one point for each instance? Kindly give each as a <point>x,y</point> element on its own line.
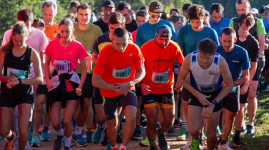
<point>205,80</point>
<point>19,67</point>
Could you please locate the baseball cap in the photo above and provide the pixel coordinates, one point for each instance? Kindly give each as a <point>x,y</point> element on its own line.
<point>254,11</point>
<point>164,29</point>
<point>154,6</point>
<point>108,3</point>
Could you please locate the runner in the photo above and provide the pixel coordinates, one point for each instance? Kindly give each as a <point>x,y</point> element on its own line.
<point>116,77</point>
<point>125,9</point>
<point>16,58</point>
<point>86,33</point>
<point>157,87</point>
<point>206,68</point>
<point>238,61</point>
<point>64,86</point>
<point>49,11</point>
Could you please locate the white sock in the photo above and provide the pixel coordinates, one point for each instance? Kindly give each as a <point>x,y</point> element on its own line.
<point>123,147</point>
<point>78,130</point>
<point>67,141</point>
<point>114,147</point>
<point>251,123</point>
<point>60,132</point>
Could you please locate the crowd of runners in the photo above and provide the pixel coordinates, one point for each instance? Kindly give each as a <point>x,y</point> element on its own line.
<point>197,71</point>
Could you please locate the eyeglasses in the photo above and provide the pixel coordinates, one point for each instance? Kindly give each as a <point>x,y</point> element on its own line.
<point>155,16</point>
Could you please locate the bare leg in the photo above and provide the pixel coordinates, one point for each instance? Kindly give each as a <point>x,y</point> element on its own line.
<point>128,130</point>
<point>24,116</point>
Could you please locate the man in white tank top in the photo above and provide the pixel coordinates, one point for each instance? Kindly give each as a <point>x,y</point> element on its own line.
<point>206,69</point>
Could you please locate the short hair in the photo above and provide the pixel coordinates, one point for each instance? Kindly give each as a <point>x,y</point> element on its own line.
<point>249,19</point>
<point>120,32</point>
<point>164,16</point>
<point>116,18</point>
<point>74,4</point>
<point>207,46</point>
<point>25,15</point>
<point>216,7</point>
<point>243,1</point>
<point>196,12</point>
<point>83,6</point>
<point>174,9</point>
<point>228,31</point>
<point>141,13</point>
<point>38,23</point>
<point>145,8</point>
<point>49,3</point>
<point>262,9</point>
<point>175,18</point>
<point>122,5</point>
<point>186,6</point>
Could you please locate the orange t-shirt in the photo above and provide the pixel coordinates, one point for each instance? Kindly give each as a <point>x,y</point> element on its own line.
<point>115,67</point>
<point>159,66</point>
<point>52,31</point>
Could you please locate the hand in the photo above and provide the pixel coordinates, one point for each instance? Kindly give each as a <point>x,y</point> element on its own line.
<point>12,78</point>
<point>123,88</point>
<point>203,99</point>
<point>207,111</point>
<point>10,84</point>
<point>178,87</point>
<point>78,91</point>
<point>145,89</point>
<point>244,89</point>
<point>49,84</point>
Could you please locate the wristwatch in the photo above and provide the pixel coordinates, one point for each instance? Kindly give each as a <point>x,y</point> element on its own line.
<point>214,102</point>
<point>19,80</point>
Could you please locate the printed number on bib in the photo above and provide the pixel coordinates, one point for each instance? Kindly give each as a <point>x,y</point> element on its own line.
<point>62,66</point>
<point>207,88</point>
<point>17,72</point>
<point>122,73</point>
<point>160,77</point>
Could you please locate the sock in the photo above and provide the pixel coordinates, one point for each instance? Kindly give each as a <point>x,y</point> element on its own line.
<point>237,134</point>
<point>114,147</point>
<point>152,143</point>
<point>161,131</point>
<point>222,142</point>
<point>45,128</point>
<point>78,130</point>
<point>60,132</point>
<point>184,125</point>
<point>122,147</point>
<point>251,123</point>
<point>67,141</point>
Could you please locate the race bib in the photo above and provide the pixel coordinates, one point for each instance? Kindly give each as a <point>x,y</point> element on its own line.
<point>160,77</point>
<point>207,88</point>
<point>122,73</point>
<point>62,66</point>
<point>17,72</point>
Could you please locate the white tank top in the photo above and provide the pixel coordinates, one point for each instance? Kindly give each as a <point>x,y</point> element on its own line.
<point>205,80</point>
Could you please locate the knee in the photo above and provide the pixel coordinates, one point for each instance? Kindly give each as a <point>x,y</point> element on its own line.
<point>169,120</point>
<point>38,109</point>
<point>67,122</point>
<point>4,133</point>
<point>194,133</point>
<point>151,122</point>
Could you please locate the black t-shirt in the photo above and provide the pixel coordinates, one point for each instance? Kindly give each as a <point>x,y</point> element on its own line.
<point>102,25</point>
<point>252,46</point>
<point>131,26</point>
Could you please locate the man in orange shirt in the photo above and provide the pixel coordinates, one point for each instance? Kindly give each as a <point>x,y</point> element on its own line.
<point>49,11</point>
<point>116,77</point>
<point>157,86</point>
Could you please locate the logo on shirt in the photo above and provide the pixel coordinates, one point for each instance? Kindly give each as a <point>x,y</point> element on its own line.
<point>130,54</point>
<point>212,73</point>
<point>235,61</point>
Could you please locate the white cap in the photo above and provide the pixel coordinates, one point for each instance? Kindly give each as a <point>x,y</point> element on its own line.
<point>267,6</point>
<point>254,11</point>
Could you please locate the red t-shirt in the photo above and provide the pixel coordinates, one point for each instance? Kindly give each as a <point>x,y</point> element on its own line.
<point>159,64</point>
<point>115,67</point>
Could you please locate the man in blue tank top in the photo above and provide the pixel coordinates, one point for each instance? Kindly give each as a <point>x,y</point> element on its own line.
<point>207,69</point>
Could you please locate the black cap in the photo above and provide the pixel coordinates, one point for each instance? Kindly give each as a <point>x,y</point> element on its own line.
<point>155,6</point>
<point>164,29</point>
<point>108,3</point>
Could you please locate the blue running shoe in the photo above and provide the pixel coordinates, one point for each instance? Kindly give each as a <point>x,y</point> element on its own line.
<point>89,136</point>
<point>35,141</point>
<point>45,135</point>
<point>80,140</point>
<point>97,135</point>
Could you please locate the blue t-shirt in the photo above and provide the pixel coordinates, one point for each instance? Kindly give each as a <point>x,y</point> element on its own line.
<point>266,25</point>
<point>147,31</point>
<point>188,39</point>
<point>237,60</point>
<point>218,27</point>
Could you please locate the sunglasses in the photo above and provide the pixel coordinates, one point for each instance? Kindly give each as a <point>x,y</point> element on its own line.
<point>155,16</point>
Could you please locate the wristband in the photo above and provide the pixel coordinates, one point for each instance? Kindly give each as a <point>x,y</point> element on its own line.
<point>214,102</point>
<point>19,80</point>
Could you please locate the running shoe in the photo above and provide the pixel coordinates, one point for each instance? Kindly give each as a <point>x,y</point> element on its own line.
<point>145,142</point>
<point>137,134</point>
<point>105,141</point>
<point>58,143</point>
<point>30,135</point>
<point>172,130</point>
<point>250,131</point>
<point>237,142</point>
<point>119,138</point>
<point>195,144</point>
<point>187,146</point>
<point>80,140</point>
<point>224,147</point>
<point>162,143</point>
<point>10,143</point>
<point>35,141</point>
<point>89,136</point>
<point>67,148</point>
<point>97,135</point>
<point>45,135</point>
<point>153,148</point>
<point>182,135</point>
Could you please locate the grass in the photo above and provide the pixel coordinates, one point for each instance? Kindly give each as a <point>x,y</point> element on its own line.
<point>261,140</point>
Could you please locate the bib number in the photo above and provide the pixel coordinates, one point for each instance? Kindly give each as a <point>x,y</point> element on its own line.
<point>17,72</point>
<point>207,88</point>
<point>160,77</point>
<point>62,66</point>
<point>122,73</point>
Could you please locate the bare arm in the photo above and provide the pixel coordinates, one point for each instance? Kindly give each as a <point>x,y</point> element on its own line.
<point>94,57</point>
<point>261,40</point>
<point>97,81</point>
<point>243,79</point>
<point>83,73</point>
<point>47,72</point>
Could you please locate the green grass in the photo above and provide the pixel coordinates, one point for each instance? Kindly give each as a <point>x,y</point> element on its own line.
<point>261,140</point>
